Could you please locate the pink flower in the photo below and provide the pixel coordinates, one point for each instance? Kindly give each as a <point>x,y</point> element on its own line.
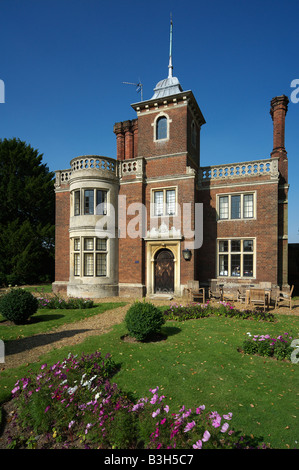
<point>200,409</point>
<point>47,409</point>
<point>228,416</point>
<point>206,436</point>
<point>224,427</point>
<point>154,399</point>
<point>216,422</point>
<point>189,426</point>
<point>198,445</point>
<point>155,413</point>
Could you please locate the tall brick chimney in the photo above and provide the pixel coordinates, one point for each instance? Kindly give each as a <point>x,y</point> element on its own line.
<point>279,108</point>
<point>278,111</point>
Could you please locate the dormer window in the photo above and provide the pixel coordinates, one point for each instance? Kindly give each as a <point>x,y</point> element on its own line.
<point>161,128</point>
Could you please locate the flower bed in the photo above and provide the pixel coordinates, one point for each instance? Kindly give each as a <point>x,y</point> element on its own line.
<point>194,311</point>
<point>73,404</point>
<point>55,302</point>
<point>266,345</point>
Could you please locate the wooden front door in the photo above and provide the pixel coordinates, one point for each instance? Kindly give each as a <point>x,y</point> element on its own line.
<point>164,272</point>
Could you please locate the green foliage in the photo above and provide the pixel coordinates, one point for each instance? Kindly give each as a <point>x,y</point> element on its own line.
<point>143,319</point>
<point>18,305</point>
<point>265,345</point>
<point>221,309</point>
<point>27,215</point>
<point>55,302</point>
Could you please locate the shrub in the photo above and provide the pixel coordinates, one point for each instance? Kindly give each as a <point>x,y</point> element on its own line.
<point>265,345</point>
<point>18,305</point>
<point>143,319</point>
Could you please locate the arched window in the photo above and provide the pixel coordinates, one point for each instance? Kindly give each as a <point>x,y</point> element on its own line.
<point>161,128</point>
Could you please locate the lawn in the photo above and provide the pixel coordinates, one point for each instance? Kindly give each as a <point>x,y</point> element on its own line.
<point>199,364</point>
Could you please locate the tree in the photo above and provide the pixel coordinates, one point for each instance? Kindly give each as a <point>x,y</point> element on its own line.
<point>27,215</point>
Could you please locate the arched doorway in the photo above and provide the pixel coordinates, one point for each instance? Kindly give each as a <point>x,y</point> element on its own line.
<point>164,271</point>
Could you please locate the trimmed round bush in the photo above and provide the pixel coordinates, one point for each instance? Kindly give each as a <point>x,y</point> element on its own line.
<point>18,305</point>
<point>143,320</point>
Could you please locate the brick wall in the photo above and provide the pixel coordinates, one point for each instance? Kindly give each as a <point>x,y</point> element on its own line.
<point>62,245</point>
<point>264,228</point>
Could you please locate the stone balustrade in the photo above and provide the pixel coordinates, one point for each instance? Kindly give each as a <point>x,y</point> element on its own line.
<point>239,170</point>
<point>94,162</point>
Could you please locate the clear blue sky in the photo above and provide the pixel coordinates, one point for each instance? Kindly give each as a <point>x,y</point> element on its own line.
<point>63,63</point>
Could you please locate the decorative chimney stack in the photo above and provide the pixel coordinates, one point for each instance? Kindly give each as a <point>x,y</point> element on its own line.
<point>279,108</point>
<point>278,111</point>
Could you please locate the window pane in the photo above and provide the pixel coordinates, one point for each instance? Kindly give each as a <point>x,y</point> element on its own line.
<point>235,245</point>
<point>77,203</point>
<point>248,265</point>
<point>236,207</point>
<point>223,265</point>
<point>101,208</point>
<point>88,264</point>
<point>161,128</point>
<point>235,265</point>
<point>101,244</point>
<point>248,206</point>
<point>76,264</point>
<point>223,207</point>
<point>101,264</point>
<point>88,201</point>
<point>248,245</point>
<point>158,202</point>
<point>76,244</point>
<point>223,245</point>
<point>88,243</point>
<point>170,202</point>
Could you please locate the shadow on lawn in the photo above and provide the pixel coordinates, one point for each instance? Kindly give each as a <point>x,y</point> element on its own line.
<point>24,344</point>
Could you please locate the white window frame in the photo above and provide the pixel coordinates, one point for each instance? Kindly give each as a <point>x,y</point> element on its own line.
<point>80,250</point>
<point>154,124</point>
<point>242,197</point>
<point>230,253</point>
<point>164,191</point>
<point>81,201</point>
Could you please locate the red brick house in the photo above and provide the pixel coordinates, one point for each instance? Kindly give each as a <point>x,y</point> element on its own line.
<point>125,226</point>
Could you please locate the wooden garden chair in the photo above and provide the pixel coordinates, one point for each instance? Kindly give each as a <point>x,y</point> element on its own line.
<point>258,297</point>
<point>284,297</point>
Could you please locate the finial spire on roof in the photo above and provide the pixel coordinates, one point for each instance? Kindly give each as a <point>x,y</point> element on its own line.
<point>170,85</point>
<point>170,67</point>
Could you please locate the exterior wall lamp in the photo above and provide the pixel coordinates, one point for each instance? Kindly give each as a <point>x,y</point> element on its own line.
<point>187,254</point>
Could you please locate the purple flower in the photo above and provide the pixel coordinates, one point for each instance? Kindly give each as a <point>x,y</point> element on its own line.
<point>155,413</point>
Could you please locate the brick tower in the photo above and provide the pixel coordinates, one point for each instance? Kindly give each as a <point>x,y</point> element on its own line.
<point>159,154</point>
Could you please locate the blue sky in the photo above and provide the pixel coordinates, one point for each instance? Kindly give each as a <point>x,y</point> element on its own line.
<point>63,63</point>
